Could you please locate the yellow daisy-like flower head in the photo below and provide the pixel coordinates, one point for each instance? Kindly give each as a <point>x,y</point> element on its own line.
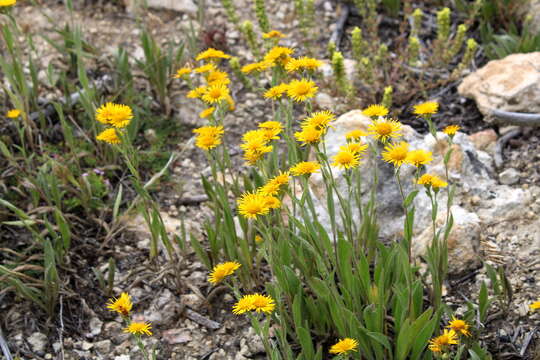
<point>385,129</point>
<point>425,179</point>
<point>319,119</point>
<point>217,77</point>
<point>355,134</point>
<point>208,137</point>
<point>301,90</point>
<point>437,182</point>
<point>271,129</point>
<point>109,136</point>
<point>255,302</point>
<point>221,271</point>
<point>258,239</point>
<point>396,154</point>
<point>278,53</point>
<point>535,305</point>
<point>303,63</point>
<point>276,92</point>
<point>273,202</point>
<point>7,2</point>
<point>13,113</point>
<point>207,112</point>
<point>451,130</point>
<point>205,68</point>
<point>309,135</point>
<point>375,110</point>
<point>197,93</point>
<point>459,326</point>
<point>273,185</point>
<point>256,67</point>
<point>212,53</point>
<point>117,115</point>
<point>138,328</point>
<point>182,71</point>
<point>122,305</point>
<point>344,346</point>
<point>442,342</point>
<point>355,147</point>
<point>215,94</point>
<point>305,168</point>
<point>346,159</point>
<point>251,205</point>
<point>274,34</point>
<point>419,157</point>
<point>426,108</point>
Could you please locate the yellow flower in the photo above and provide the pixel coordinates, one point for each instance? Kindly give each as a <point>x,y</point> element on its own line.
<point>212,53</point>
<point>355,134</point>
<point>251,205</point>
<point>182,71</point>
<point>385,129</point>
<point>303,63</point>
<point>217,77</point>
<point>207,112</point>
<point>451,130</point>
<point>319,119</point>
<point>437,182</point>
<point>255,145</point>
<point>278,53</point>
<point>535,305</point>
<point>346,160</point>
<point>419,157</point>
<point>425,179</point>
<point>252,156</point>
<point>255,302</point>
<point>273,185</point>
<point>215,93</point>
<point>197,93</point>
<point>275,92</point>
<point>301,90</point>
<point>344,346</point>
<point>7,2</point>
<point>14,113</point>
<point>256,67</point>
<point>426,108</point>
<point>220,271</point>
<point>274,34</point>
<point>375,110</point>
<point>138,328</point>
<point>459,326</point>
<point>271,129</point>
<point>230,101</point>
<point>442,342</point>
<point>205,68</point>
<point>309,135</point>
<point>117,115</point>
<point>355,147</point>
<point>208,137</point>
<point>305,168</point>
<point>272,202</point>
<point>396,154</point>
<point>109,136</point>
<point>258,239</point>
<point>122,305</point>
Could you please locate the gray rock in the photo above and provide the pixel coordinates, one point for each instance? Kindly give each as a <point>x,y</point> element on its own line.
<point>511,84</point>
<point>509,176</point>
<point>183,6</point>
<point>103,347</point>
<point>38,342</point>
<point>95,327</point>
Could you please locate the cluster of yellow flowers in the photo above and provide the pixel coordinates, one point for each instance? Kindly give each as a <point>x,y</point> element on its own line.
<point>123,306</point>
<point>215,90</point>
<point>314,127</point>
<point>450,336</point>
<point>13,113</point>
<point>208,137</point>
<point>256,142</point>
<point>118,116</point>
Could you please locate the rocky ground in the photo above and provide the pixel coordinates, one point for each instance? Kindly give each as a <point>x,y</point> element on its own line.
<point>192,321</point>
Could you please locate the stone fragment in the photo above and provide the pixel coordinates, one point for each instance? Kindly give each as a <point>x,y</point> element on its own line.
<point>509,176</point>
<point>38,342</point>
<point>511,84</point>
<point>183,6</point>
<point>177,336</point>
<point>484,140</point>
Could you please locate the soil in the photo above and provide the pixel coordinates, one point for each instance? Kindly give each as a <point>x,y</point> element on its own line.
<point>168,295</point>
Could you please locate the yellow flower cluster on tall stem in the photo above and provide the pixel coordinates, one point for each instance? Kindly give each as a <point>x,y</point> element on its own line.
<point>123,305</point>
<point>116,115</point>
